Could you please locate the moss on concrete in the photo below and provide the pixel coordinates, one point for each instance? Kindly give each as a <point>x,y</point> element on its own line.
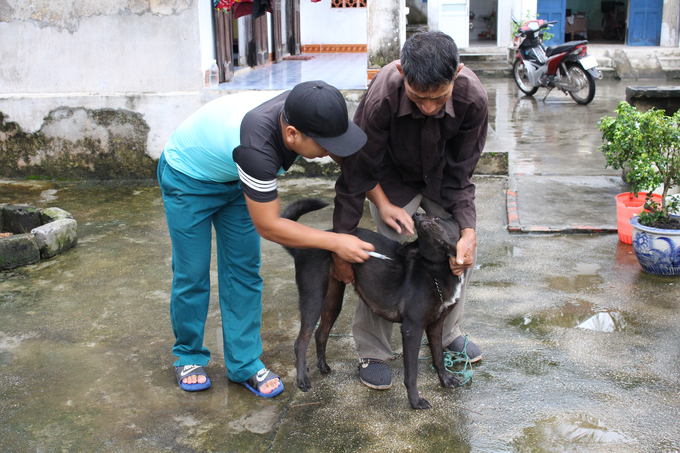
<point>79,144</point>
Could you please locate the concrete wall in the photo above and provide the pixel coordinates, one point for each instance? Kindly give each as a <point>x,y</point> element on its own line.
<point>94,88</point>
<point>99,46</point>
<point>321,24</point>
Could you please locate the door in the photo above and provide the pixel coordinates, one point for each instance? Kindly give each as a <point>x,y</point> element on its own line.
<point>644,22</point>
<point>454,20</point>
<point>293,26</point>
<point>277,36</point>
<point>224,43</point>
<point>551,10</point>
<point>258,48</point>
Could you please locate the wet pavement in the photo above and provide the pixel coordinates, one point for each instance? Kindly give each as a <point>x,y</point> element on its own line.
<point>581,349</point>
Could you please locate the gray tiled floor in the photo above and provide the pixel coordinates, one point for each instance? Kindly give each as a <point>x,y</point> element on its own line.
<point>342,70</point>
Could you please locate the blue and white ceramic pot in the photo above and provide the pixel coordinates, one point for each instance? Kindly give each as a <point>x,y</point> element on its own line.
<point>657,250</point>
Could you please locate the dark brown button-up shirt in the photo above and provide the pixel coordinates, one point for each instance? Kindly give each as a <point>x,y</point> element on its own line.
<point>409,153</point>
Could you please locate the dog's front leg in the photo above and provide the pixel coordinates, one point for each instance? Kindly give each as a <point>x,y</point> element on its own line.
<point>410,336</point>
<point>434,337</point>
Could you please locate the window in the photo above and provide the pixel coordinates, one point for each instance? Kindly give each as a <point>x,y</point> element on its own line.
<point>348,3</point>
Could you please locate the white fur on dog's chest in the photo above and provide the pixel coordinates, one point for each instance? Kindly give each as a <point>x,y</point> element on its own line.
<point>454,298</point>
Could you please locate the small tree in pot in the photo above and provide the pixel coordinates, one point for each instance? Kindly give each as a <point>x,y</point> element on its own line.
<point>649,145</point>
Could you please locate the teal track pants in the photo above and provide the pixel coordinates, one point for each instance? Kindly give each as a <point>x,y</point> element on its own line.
<point>192,208</point>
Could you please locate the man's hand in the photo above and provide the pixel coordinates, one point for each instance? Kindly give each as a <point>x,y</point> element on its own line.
<point>465,252</point>
<point>396,218</point>
<point>350,248</point>
<point>342,270</point>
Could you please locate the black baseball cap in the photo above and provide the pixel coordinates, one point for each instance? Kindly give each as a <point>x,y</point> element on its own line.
<point>318,109</point>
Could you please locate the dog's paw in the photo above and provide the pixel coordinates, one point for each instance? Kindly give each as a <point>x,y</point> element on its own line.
<point>422,403</point>
<point>304,383</point>
<point>450,382</point>
<point>324,368</point>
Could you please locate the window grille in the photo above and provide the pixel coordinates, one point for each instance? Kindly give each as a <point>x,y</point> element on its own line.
<point>348,3</point>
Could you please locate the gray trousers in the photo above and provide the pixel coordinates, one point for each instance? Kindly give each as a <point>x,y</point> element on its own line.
<point>372,333</point>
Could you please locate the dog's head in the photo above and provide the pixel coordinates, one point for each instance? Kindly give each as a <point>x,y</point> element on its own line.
<point>437,237</point>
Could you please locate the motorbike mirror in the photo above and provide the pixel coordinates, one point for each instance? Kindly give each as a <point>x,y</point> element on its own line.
<point>514,19</point>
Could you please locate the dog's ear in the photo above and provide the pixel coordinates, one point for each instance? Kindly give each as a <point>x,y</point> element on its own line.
<point>408,249</point>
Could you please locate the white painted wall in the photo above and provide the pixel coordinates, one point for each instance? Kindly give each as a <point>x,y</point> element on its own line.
<point>100,46</point>
<point>321,24</point>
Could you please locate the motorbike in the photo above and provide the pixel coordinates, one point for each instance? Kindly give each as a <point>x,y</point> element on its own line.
<point>567,67</point>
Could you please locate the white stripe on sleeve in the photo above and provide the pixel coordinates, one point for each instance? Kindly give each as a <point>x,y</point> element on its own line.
<point>256,184</point>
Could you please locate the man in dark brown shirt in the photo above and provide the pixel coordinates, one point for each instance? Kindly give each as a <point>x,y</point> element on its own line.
<point>426,119</point>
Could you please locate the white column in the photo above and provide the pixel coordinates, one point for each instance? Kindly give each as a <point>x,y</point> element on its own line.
<point>386,31</point>
<point>670,23</point>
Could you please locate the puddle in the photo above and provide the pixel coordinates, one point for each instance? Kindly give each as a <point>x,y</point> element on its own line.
<point>605,322</point>
<point>583,276</point>
<point>580,314</point>
<point>48,195</point>
<point>512,250</point>
<point>482,266</point>
<point>491,284</point>
<point>568,435</point>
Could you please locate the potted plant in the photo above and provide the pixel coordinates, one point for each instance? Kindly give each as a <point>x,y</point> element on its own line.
<point>648,145</point>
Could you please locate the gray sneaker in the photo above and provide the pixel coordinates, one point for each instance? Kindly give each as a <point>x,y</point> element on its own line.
<point>473,351</point>
<point>375,374</point>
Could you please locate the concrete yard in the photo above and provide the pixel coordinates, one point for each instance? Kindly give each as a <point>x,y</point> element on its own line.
<point>581,349</point>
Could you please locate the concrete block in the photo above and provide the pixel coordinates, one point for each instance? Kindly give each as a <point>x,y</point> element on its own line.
<point>623,66</point>
<point>493,163</point>
<point>51,214</point>
<point>665,98</point>
<point>20,219</point>
<point>56,237</point>
<point>18,250</point>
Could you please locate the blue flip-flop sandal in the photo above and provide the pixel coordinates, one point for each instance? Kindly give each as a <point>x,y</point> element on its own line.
<point>182,372</point>
<point>256,381</point>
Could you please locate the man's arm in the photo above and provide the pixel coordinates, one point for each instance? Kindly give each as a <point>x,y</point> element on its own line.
<point>288,233</point>
<point>393,216</point>
<point>462,155</point>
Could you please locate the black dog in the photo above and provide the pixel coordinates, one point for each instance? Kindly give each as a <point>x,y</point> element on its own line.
<point>415,287</point>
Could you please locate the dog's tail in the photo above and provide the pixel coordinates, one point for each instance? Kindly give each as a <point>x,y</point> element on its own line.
<point>298,208</point>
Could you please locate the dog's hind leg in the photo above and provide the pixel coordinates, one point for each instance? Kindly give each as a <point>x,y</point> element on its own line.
<point>434,337</point>
<point>312,288</point>
<point>411,334</point>
<point>331,309</point>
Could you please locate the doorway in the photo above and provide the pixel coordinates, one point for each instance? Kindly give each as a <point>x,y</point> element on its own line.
<point>483,23</point>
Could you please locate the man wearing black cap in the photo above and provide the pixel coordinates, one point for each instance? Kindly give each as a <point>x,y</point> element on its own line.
<point>219,170</point>
<point>426,117</point>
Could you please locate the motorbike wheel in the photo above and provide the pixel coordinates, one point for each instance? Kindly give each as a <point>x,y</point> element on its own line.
<point>519,71</point>
<point>581,78</point>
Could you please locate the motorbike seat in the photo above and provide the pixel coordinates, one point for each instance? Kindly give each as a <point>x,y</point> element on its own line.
<point>566,47</point>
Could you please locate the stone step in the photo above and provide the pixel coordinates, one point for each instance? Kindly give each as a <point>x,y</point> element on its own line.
<point>482,57</point>
<point>669,62</point>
